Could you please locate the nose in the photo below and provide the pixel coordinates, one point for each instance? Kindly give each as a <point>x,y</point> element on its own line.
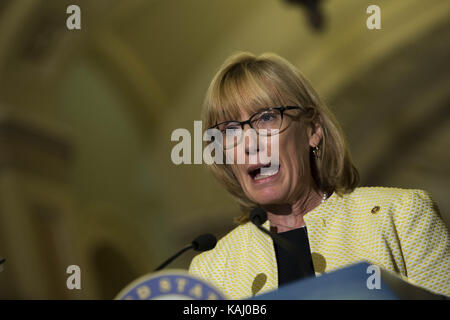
<point>252,145</point>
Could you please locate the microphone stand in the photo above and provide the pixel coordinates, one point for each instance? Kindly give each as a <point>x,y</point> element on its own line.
<point>202,243</point>
<point>174,257</point>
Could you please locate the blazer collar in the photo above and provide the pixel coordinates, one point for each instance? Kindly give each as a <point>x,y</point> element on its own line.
<point>262,262</point>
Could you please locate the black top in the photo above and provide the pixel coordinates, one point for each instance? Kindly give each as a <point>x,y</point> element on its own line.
<point>289,267</point>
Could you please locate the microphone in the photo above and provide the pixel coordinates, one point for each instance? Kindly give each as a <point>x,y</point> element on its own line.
<point>258,216</point>
<point>202,243</point>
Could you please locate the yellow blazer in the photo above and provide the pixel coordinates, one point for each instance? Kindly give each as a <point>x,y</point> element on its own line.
<point>400,230</point>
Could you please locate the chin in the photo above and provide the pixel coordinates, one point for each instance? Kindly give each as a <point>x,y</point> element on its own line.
<point>268,196</point>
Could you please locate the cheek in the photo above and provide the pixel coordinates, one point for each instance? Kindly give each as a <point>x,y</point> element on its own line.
<point>294,150</point>
<point>270,147</point>
<point>289,147</point>
<point>235,155</point>
<point>229,156</point>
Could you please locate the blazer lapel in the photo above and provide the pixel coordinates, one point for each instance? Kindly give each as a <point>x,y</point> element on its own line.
<point>262,264</point>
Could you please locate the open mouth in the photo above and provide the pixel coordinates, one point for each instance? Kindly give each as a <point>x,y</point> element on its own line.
<point>259,172</point>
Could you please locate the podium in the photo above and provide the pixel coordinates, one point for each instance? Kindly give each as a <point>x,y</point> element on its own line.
<point>361,281</point>
<point>355,282</point>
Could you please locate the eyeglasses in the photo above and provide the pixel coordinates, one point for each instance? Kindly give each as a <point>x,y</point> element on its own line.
<point>266,122</point>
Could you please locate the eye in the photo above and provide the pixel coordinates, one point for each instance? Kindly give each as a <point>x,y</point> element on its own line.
<point>233,127</point>
<point>268,116</point>
<point>233,131</point>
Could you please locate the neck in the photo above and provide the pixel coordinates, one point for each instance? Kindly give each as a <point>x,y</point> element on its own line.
<point>285,217</point>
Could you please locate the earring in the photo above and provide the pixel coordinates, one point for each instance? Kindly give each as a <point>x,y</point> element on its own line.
<point>317,152</point>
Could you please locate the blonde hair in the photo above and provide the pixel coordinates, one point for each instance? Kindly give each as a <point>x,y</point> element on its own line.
<point>249,82</point>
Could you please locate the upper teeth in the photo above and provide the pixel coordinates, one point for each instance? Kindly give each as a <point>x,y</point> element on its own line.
<point>266,172</point>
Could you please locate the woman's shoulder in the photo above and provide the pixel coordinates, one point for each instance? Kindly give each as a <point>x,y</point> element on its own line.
<point>236,238</point>
<point>391,200</point>
<point>389,194</point>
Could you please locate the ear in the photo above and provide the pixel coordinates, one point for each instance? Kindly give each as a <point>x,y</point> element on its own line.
<point>315,135</point>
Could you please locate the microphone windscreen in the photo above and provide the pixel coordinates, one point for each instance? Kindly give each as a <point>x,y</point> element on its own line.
<point>258,216</point>
<point>204,242</point>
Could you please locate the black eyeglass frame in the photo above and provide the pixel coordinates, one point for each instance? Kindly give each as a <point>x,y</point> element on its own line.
<point>282,109</point>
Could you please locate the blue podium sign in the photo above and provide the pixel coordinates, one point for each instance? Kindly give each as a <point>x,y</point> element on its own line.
<point>170,285</point>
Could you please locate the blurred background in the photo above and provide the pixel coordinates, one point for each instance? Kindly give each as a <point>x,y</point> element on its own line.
<point>86,117</point>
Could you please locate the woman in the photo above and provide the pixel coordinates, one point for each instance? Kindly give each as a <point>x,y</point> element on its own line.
<point>311,198</point>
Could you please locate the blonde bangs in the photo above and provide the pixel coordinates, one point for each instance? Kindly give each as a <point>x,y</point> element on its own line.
<point>243,88</point>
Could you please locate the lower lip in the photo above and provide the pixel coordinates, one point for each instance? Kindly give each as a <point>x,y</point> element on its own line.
<point>268,179</point>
